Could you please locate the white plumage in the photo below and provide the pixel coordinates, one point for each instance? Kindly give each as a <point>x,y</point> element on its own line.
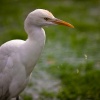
<point>18,57</point>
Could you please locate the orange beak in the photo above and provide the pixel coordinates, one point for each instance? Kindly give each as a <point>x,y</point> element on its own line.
<point>61,22</point>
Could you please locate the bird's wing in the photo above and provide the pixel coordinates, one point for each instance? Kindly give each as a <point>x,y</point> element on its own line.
<point>7,66</point>
<point>5,75</point>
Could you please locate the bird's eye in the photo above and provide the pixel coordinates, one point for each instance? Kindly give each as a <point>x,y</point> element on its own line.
<point>46,18</point>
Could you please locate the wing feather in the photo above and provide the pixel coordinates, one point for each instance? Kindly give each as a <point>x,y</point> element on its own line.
<point>7,66</point>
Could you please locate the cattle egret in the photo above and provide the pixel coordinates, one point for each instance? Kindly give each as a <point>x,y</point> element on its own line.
<point>18,57</point>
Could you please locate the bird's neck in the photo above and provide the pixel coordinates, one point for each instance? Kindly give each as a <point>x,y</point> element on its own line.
<point>33,47</point>
<point>35,33</point>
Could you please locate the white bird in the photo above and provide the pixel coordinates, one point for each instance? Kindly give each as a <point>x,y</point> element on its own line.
<point>18,57</point>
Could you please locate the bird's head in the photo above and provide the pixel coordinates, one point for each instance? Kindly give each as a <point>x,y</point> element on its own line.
<point>41,17</point>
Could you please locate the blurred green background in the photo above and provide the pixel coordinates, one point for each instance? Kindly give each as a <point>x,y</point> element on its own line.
<point>69,67</point>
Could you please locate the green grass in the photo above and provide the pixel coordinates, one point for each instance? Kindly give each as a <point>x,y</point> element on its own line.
<point>71,57</point>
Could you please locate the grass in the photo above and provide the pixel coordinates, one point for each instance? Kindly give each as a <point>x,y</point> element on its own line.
<point>69,66</point>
